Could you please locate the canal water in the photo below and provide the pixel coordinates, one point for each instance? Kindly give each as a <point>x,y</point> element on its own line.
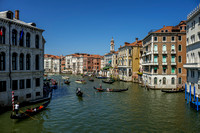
<point>136,110</point>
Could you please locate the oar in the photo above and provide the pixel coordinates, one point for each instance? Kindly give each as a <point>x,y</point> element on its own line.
<point>28,115</point>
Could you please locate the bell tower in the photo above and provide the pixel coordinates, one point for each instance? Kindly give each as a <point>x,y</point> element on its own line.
<point>112,45</point>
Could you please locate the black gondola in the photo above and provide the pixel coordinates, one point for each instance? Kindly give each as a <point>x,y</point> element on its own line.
<point>173,91</point>
<point>92,80</point>
<point>79,93</point>
<point>108,81</point>
<point>110,90</point>
<point>67,82</point>
<point>30,112</point>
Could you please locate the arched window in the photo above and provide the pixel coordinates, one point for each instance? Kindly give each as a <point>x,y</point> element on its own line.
<point>173,81</point>
<point>14,61</point>
<point>37,41</point>
<point>28,62</point>
<point>21,61</point>
<point>164,81</point>
<point>14,37</point>
<point>2,61</point>
<point>21,38</point>
<point>37,62</point>
<point>2,35</point>
<point>155,81</point>
<point>28,39</point>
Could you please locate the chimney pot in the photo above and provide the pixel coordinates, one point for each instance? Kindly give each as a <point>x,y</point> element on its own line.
<point>136,39</point>
<point>163,26</point>
<point>17,14</point>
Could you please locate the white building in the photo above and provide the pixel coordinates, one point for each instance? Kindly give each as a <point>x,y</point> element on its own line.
<point>193,51</point>
<point>22,58</point>
<point>52,64</point>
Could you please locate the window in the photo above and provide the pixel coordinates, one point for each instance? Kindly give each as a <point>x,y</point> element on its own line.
<point>162,30</point>
<point>192,73</point>
<point>164,39</point>
<point>166,30</point>
<point>14,37</point>
<point>21,61</point>
<point>192,38</point>
<point>155,59</point>
<point>179,47</point>
<point>37,83</point>
<point>179,59</point>
<point>16,98</point>
<point>164,59</point>
<point>199,20</point>
<point>37,41</point>
<point>21,84</point>
<point>155,38</point>
<point>155,48</point>
<point>2,37</point>
<point>28,83</point>
<point>37,62</point>
<point>179,80</point>
<point>28,95</point>
<point>198,74</point>
<point>2,61</point>
<point>179,70</point>
<point>164,69</point>
<point>37,93</point>
<point>21,38</point>
<point>155,69</point>
<point>28,62</point>
<point>179,38</point>
<point>181,27</point>
<point>173,39</point>
<point>155,81</point>
<point>14,61</point>
<point>173,81</point>
<point>2,86</point>
<point>172,69</point>
<point>164,81</point>
<point>28,37</point>
<point>164,48</point>
<point>187,40</point>
<point>15,85</point>
<point>173,47</point>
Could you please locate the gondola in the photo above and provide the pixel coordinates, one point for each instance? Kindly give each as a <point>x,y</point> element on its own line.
<point>92,80</point>
<point>81,81</point>
<point>100,77</point>
<point>79,93</point>
<point>67,82</point>
<point>30,112</point>
<point>108,81</point>
<point>173,91</point>
<point>110,90</point>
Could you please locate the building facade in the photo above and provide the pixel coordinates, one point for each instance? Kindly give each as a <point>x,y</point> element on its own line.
<point>52,63</point>
<point>163,57</point>
<point>22,59</point>
<point>193,51</point>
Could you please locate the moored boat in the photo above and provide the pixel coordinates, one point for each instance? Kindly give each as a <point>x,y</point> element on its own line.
<point>81,81</point>
<point>110,90</point>
<point>173,90</point>
<point>108,81</point>
<point>100,77</point>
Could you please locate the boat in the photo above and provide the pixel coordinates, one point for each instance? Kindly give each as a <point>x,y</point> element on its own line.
<point>92,80</point>
<point>39,100</point>
<point>81,81</point>
<point>100,77</point>
<point>30,112</point>
<point>65,77</point>
<point>108,81</point>
<point>173,90</point>
<point>110,90</point>
<point>79,93</point>
<point>67,82</point>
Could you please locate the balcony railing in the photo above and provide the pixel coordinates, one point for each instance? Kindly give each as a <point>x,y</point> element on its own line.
<point>164,52</point>
<point>173,63</point>
<point>155,52</point>
<point>149,63</point>
<point>164,63</point>
<point>173,51</point>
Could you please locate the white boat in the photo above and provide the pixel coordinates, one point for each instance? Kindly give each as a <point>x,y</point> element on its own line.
<point>80,81</point>
<point>65,77</point>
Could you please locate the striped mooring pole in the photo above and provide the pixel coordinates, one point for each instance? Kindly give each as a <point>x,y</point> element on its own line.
<point>13,99</point>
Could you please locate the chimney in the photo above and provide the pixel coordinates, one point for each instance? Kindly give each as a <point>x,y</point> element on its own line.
<point>17,14</point>
<point>136,40</point>
<point>163,26</point>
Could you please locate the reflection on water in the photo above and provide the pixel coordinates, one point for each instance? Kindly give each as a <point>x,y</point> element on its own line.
<point>136,110</point>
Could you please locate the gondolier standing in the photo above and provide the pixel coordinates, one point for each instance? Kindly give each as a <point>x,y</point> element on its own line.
<point>17,108</point>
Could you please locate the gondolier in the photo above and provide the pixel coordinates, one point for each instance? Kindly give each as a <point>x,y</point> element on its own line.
<point>17,108</point>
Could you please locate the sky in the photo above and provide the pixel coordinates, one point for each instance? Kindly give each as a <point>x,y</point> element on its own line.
<point>87,26</point>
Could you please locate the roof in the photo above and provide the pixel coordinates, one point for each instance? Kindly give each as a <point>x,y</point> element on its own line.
<point>134,44</point>
<point>51,56</point>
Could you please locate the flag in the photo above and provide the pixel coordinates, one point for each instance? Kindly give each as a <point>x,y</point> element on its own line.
<point>1,32</point>
<point>21,35</point>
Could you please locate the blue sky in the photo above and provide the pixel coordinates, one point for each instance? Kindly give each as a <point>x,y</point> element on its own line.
<point>87,26</point>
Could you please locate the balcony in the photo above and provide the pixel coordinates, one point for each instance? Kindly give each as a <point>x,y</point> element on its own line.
<point>173,51</point>
<point>192,65</point>
<point>148,63</point>
<point>164,52</point>
<point>164,63</point>
<point>155,52</point>
<point>173,63</point>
